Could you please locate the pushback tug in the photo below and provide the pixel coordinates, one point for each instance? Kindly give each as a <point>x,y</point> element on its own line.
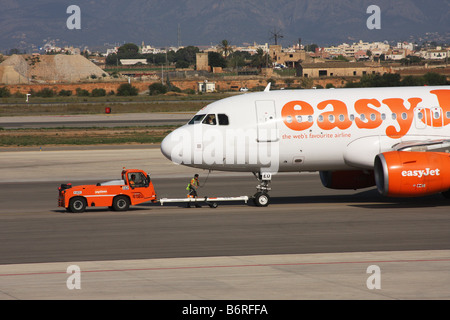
<point>134,187</point>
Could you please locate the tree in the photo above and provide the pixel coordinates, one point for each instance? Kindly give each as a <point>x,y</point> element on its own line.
<point>188,54</point>
<point>128,49</point>
<point>158,58</point>
<point>215,59</point>
<point>225,48</point>
<point>182,64</point>
<point>14,51</point>
<point>434,79</point>
<point>412,81</point>
<point>311,47</point>
<point>238,59</point>
<point>261,59</point>
<point>375,80</point>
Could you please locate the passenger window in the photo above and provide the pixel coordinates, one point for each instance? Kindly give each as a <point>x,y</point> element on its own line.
<point>197,119</point>
<point>394,116</point>
<point>210,119</point>
<point>404,116</point>
<point>299,119</point>
<point>223,119</point>
<point>352,117</point>
<point>447,114</point>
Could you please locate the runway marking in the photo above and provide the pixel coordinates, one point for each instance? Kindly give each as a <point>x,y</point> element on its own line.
<point>230,266</point>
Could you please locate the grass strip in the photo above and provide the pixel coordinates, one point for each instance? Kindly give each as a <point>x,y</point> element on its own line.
<point>83,136</point>
<point>97,108</point>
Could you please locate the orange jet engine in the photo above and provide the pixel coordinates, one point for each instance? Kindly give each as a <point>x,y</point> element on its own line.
<point>410,174</point>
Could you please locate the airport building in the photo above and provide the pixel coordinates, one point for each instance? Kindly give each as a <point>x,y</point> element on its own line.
<point>338,69</point>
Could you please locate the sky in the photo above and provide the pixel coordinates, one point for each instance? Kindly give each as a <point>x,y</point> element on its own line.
<point>28,24</point>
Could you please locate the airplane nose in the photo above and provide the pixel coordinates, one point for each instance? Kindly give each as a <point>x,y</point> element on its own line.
<point>167,146</point>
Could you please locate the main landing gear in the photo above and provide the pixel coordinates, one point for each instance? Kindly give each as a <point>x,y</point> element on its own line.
<point>261,197</point>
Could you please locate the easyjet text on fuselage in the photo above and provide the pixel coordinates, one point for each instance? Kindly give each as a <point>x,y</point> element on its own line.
<point>298,115</point>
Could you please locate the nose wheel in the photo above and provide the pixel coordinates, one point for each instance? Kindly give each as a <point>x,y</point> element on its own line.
<point>261,197</point>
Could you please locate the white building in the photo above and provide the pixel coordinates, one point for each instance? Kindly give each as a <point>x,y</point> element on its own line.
<point>132,62</point>
<point>334,51</point>
<point>112,51</point>
<point>395,54</point>
<point>436,54</point>
<point>405,45</point>
<point>206,86</point>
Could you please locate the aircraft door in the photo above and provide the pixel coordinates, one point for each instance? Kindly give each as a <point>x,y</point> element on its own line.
<point>437,117</point>
<point>266,121</point>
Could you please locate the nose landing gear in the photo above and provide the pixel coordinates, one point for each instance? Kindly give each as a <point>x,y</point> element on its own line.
<point>261,197</point>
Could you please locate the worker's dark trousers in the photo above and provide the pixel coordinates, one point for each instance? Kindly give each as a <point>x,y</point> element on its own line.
<point>192,194</point>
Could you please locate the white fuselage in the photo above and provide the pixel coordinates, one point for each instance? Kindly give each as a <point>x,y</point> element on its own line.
<point>309,130</point>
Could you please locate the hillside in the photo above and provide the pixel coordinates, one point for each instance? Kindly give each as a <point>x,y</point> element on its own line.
<point>202,22</point>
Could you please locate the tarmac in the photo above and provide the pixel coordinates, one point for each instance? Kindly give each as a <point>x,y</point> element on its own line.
<point>340,276</point>
<point>365,275</point>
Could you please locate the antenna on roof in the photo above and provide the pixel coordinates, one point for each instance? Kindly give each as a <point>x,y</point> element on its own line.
<point>267,89</point>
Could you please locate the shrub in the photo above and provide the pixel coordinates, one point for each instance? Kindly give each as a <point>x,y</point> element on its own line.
<point>174,89</point>
<point>65,93</point>
<point>98,92</point>
<point>126,89</point>
<point>4,92</point>
<point>18,94</point>
<point>46,93</point>
<point>189,91</point>
<point>156,88</point>
<point>82,92</point>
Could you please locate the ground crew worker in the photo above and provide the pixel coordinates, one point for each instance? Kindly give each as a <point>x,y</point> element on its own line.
<point>192,188</point>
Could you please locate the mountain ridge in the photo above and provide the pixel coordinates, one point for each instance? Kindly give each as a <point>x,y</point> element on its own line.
<point>25,23</point>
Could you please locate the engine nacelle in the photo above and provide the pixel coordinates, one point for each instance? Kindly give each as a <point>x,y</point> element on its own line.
<point>347,179</point>
<point>409,174</point>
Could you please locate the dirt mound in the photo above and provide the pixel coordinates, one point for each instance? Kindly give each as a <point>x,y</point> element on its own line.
<point>19,69</point>
<point>14,70</point>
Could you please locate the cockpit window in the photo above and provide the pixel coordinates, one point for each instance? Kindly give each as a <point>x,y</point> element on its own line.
<point>210,119</point>
<point>223,119</point>
<point>197,119</point>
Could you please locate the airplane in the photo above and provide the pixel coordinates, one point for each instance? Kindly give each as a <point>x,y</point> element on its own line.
<point>394,138</point>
